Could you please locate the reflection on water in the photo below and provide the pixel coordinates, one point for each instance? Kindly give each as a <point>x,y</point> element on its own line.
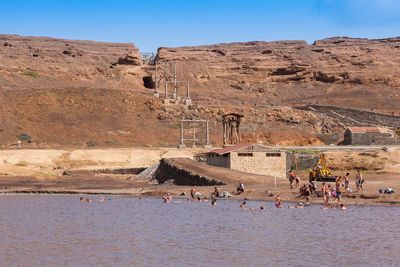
<point>60,230</point>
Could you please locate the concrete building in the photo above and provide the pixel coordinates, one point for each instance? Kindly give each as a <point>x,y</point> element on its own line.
<point>369,136</point>
<point>258,159</point>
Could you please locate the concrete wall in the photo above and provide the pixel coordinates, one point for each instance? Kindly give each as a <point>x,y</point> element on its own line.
<point>219,160</point>
<point>347,140</point>
<point>259,163</point>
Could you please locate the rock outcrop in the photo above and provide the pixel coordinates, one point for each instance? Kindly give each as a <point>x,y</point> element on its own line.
<point>365,72</point>
<point>43,62</point>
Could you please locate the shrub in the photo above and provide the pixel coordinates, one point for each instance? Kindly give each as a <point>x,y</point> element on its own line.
<point>20,164</point>
<point>91,143</point>
<point>176,126</point>
<point>111,142</point>
<point>398,132</point>
<point>31,74</point>
<point>24,137</point>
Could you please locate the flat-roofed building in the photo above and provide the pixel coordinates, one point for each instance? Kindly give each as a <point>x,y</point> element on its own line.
<point>258,159</point>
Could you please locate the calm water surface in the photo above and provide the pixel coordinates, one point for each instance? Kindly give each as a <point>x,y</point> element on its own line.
<point>59,230</point>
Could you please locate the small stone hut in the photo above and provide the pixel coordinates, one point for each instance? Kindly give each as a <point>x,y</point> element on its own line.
<point>369,136</point>
<point>258,159</point>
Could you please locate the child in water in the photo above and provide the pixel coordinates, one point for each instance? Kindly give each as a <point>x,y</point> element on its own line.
<point>278,201</point>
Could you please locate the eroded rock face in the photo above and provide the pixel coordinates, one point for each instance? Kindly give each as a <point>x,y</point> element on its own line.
<point>65,63</point>
<point>293,72</point>
<point>64,92</point>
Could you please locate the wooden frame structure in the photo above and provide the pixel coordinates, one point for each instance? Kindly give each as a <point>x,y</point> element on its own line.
<point>231,128</point>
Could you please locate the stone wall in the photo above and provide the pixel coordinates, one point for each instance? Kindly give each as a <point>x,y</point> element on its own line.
<point>260,163</point>
<point>168,171</point>
<point>370,139</point>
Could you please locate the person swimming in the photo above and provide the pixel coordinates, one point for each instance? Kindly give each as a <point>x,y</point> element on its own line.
<point>213,202</point>
<point>81,199</point>
<point>167,198</point>
<point>88,200</point>
<point>193,193</point>
<point>244,207</point>
<point>342,207</point>
<point>299,205</point>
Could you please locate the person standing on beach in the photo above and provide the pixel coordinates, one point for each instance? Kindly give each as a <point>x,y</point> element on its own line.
<point>292,177</point>
<point>346,181</point>
<point>325,193</point>
<point>338,190</point>
<point>361,180</point>
<point>358,180</point>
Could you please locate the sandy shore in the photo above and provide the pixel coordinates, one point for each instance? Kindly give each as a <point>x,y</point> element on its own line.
<point>85,183</point>
<point>40,171</point>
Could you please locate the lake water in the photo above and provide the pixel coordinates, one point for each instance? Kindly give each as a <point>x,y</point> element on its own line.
<point>60,230</point>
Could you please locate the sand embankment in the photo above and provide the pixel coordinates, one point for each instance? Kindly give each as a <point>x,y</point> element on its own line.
<point>53,162</point>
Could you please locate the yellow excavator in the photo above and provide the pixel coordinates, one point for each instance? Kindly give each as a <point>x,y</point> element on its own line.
<point>319,172</point>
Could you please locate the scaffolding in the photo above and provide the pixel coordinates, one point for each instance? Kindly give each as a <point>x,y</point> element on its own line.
<point>194,129</point>
<point>165,72</point>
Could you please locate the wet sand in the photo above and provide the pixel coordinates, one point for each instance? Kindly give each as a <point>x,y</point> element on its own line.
<point>88,183</point>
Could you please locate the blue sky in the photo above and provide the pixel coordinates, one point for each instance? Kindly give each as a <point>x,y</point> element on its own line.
<point>151,24</point>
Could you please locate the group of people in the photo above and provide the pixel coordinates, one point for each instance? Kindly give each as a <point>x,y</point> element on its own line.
<point>342,184</point>
<point>82,199</point>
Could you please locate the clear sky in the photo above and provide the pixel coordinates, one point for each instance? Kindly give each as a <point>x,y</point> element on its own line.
<point>150,24</point>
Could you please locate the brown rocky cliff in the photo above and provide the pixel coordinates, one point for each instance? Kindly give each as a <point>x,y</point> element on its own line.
<point>330,71</point>
<point>64,92</point>
<point>55,63</point>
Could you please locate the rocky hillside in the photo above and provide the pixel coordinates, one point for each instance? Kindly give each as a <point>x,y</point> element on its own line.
<point>106,117</point>
<point>81,93</point>
<point>359,73</point>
